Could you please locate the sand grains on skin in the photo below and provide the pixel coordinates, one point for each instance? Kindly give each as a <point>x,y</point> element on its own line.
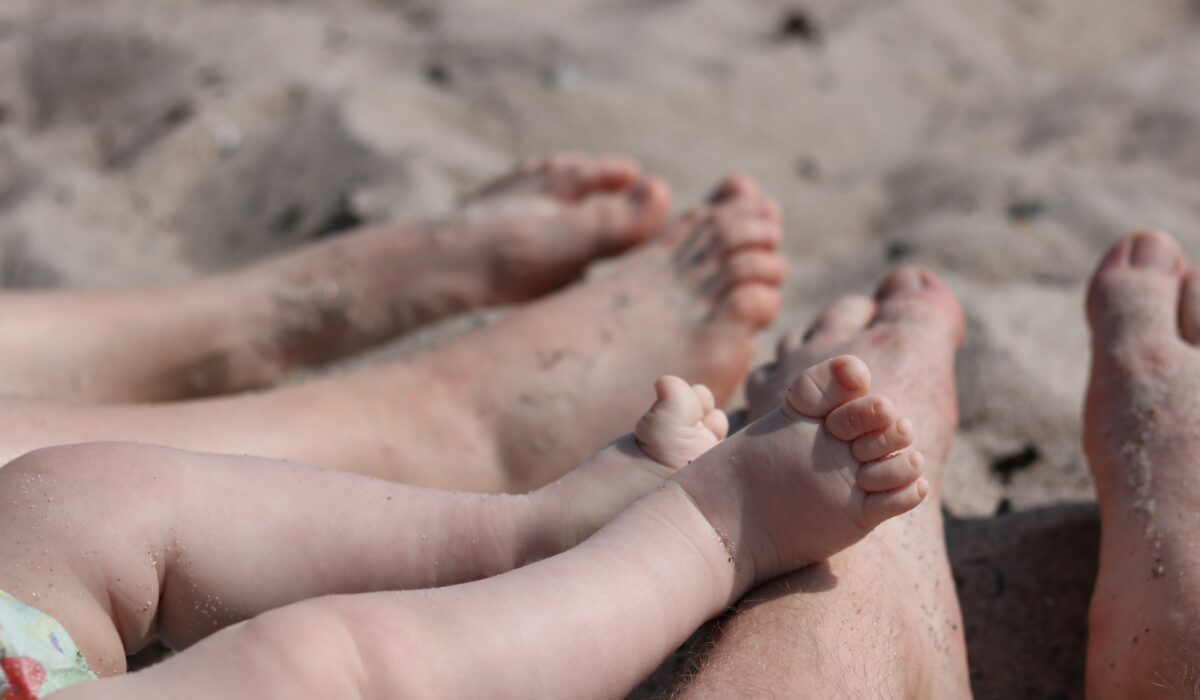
<point>907,333</point>
<point>1141,447</point>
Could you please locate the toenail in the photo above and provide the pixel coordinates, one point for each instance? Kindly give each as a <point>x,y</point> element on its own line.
<point>846,373</point>
<point>640,194</point>
<point>902,280</point>
<point>1155,250</point>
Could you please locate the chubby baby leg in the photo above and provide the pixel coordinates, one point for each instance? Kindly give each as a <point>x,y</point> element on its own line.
<point>122,542</point>
<point>798,485</point>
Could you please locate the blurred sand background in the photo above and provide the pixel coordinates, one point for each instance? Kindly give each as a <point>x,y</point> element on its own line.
<point>1003,143</point>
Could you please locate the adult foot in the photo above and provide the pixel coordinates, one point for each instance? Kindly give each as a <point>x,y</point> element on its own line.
<point>528,233</point>
<point>512,406</point>
<point>810,478</point>
<point>540,226</point>
<point>535,230</point>
<point>1139,433</point>
<point>889,600</point>
<point>687,302</point>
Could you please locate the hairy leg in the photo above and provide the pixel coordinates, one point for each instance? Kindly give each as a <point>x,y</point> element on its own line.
<point>591,621</point>
<point>533,231</point>
<point>1141,440</point>
<point>881,619</point>
<point>494,411</point>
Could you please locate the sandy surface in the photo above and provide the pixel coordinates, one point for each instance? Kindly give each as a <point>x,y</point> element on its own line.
<point>1004,143</point>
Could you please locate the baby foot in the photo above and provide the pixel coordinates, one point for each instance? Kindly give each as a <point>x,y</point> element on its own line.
<point>683,424</point>
<point>810,478</point>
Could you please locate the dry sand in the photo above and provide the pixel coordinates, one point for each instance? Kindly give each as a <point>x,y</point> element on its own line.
<point>1004,143</point>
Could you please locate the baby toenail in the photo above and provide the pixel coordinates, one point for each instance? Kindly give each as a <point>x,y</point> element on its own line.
<point>639,194</point>
<point>847,374</point>
<point>1154,250</point>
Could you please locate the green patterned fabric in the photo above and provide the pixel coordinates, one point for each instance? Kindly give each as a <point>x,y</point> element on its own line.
<point>37,656</point>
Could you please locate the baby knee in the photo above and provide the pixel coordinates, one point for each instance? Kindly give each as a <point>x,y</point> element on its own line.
<point>34,474</point>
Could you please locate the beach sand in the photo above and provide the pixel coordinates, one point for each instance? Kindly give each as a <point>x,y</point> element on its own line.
<point>1005,144</point>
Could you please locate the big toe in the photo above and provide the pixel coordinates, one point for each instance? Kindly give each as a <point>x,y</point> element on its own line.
<point>910,299</point>
<point>679,403</point>
<point>827,385</point>
<point>1135,293</point>
<point>625,218</point>
<point>837,323</point>
<point>734,187</point>
<point>577,175</point>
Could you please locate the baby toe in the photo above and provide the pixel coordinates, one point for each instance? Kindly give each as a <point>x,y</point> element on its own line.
<point>878,507</point>
<point>677,403</point>
<point>864,415</point>
<point>892,473</point>
<point>718,422</point>
<point>878,445</point>
<point>707,401</point>
<point>825,386</point>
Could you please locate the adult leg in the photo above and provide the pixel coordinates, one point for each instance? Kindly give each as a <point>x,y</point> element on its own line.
<point>119,542</point>
<point>687,302</point>
<point>531,232</point>
<point>1141,437</point>
<point>592,621</point>
<point>881,619</point>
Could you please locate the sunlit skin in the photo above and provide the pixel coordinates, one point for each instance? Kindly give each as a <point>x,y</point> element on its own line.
<point>496,409</point>
<point>117,522</point>
<point>1141,443</point>
<point>880,619</point>
<point>527,233</point>
<point>803,482</point>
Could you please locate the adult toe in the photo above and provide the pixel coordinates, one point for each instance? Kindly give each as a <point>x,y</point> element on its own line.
<point>916,302</point>
<point>839,321</point>
<point>1135,294</point>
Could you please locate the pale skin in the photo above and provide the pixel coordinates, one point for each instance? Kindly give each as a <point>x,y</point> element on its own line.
<point>590,622</point>
<point>447,417</point>
<point>123,542</point>
<point>1144,310</point>
<point>526,234</point>
<point>880,619</point>
<point>1141,442</point>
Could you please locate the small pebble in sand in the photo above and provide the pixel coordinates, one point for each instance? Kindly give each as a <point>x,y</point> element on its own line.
<point>228,138</point>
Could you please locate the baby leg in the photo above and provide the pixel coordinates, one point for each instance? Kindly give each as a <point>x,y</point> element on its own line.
<point>119,542</point>
<point>591,621</point>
